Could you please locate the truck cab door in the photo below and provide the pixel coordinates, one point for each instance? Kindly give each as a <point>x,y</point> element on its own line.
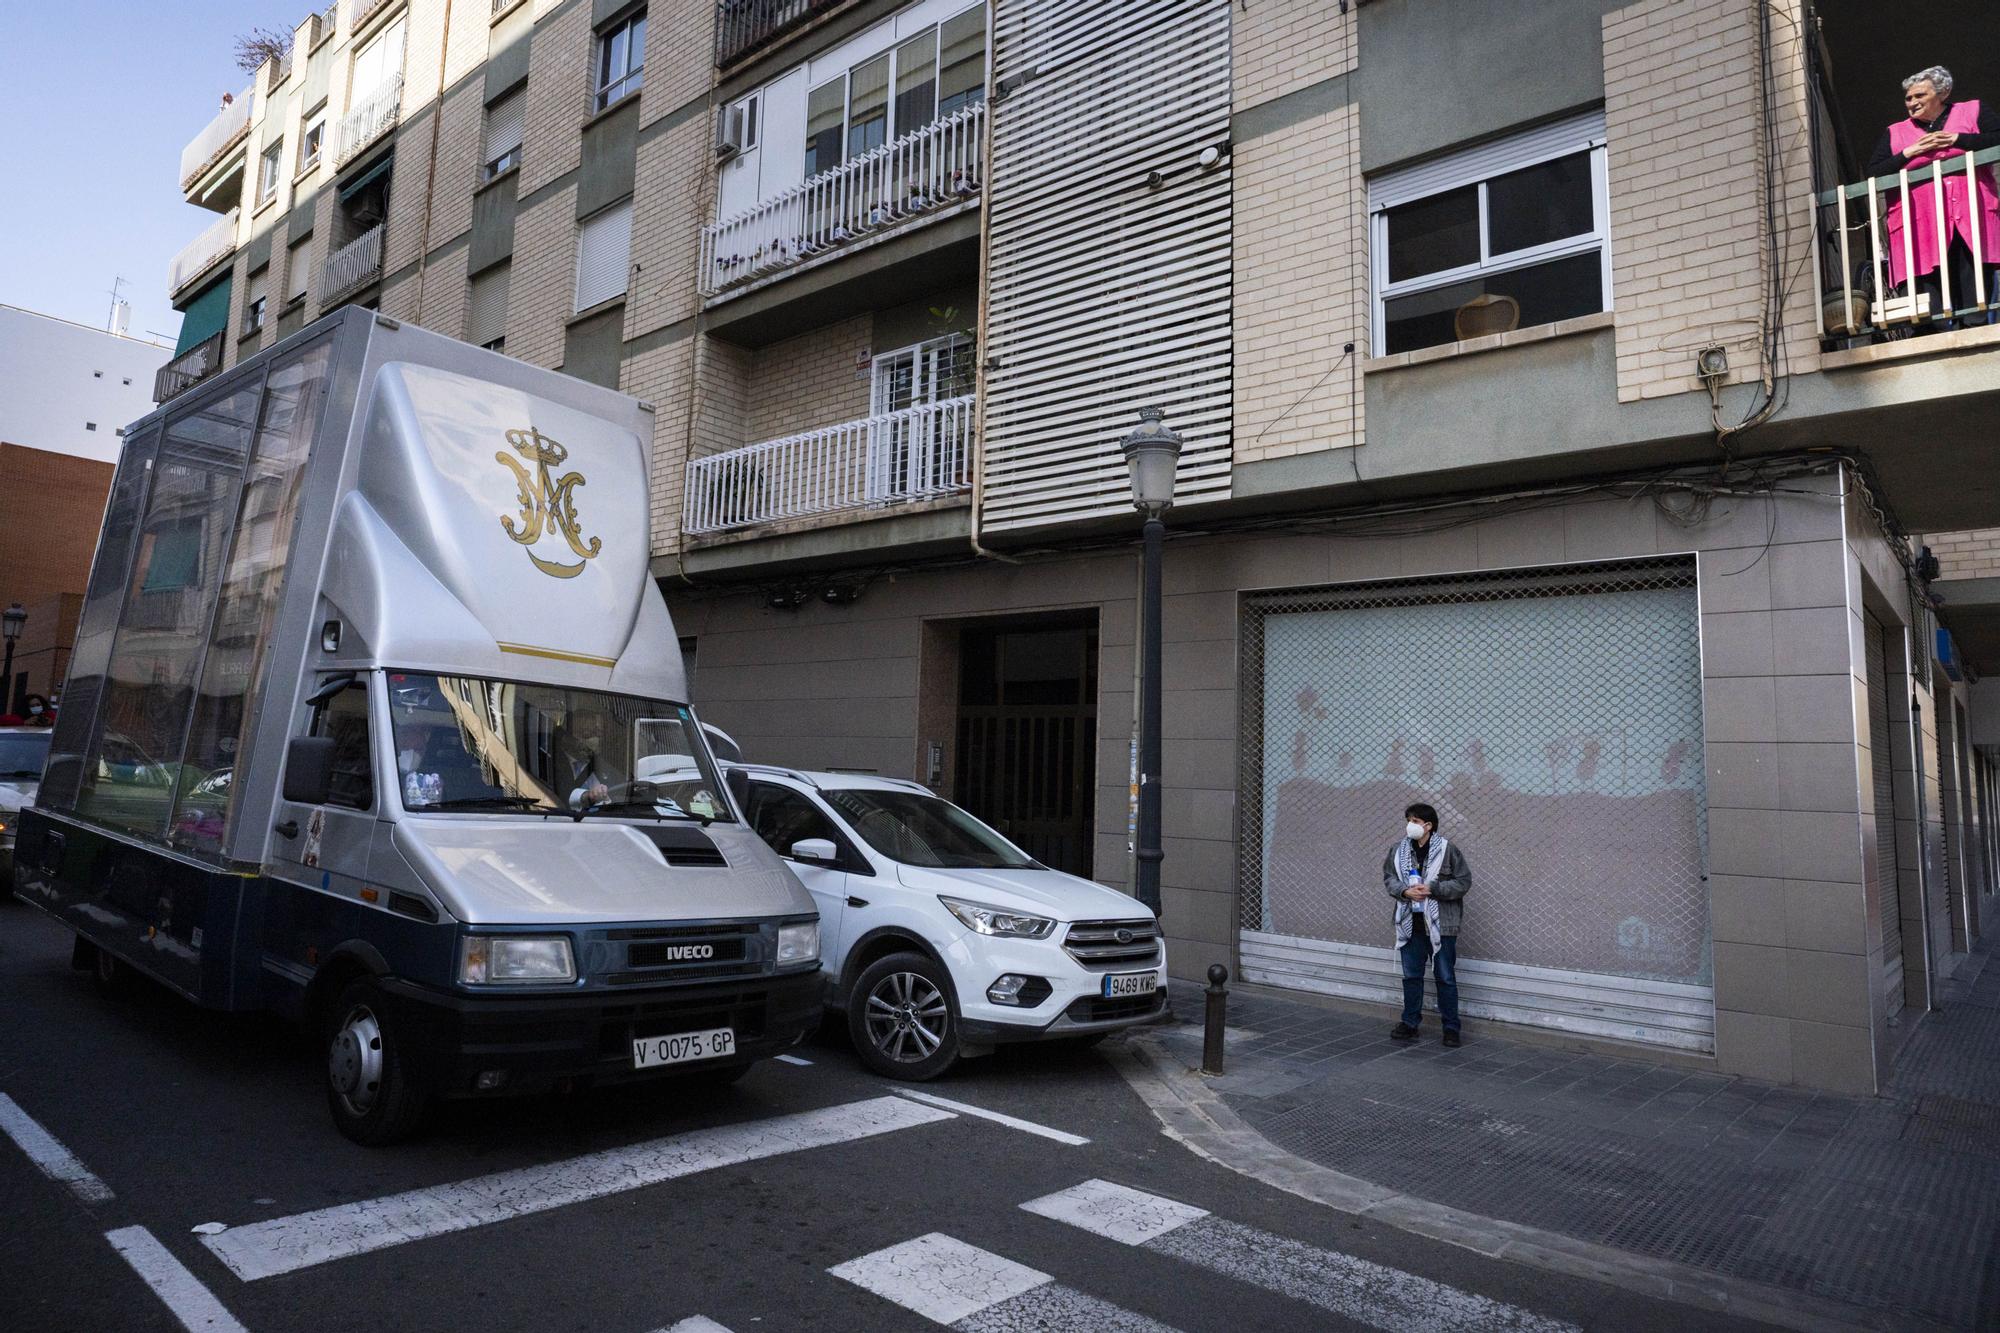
<point>326,846</point>
<point>784,818</point>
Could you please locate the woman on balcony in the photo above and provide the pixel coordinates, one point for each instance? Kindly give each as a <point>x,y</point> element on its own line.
<point>1938,129</point>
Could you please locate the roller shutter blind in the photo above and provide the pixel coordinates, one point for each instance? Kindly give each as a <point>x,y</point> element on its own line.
<point>603,255</point>
<point>486,309</point>
<point>503,127</point>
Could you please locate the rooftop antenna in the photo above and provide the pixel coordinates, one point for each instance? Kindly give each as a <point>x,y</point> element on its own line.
<point>112,323</point>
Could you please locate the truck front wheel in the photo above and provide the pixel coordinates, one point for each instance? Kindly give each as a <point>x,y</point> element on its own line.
<point>374,1098</point>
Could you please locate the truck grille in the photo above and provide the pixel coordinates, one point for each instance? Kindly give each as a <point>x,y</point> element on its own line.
<point>1108,944</point>
<point>664,953</point>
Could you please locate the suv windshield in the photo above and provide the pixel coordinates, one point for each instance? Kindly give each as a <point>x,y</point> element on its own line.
<point>22,754</point>
<point>472,745</point>
<point>925,831</point>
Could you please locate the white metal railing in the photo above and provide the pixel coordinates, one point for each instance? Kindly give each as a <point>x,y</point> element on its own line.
<point>353,264</point>
<point>1860,300</point>
<point>369,119</point>
<point>217,239</point>
<point>923,171</point>
<point>230,124</point>
<point>916,454</point>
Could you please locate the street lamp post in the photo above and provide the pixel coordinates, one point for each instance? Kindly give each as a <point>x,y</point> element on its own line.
<point>1151,452</point>
<point>11,621</point>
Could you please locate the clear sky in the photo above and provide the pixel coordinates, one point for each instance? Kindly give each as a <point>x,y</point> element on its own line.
<point>97,99</point>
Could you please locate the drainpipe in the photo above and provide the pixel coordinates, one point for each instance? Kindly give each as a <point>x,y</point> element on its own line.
<point>430,169</point>
<point>1923,841</point>
<point>979,336</point>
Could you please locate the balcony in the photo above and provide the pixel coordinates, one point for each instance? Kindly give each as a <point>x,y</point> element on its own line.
<point>188,369</point>
<point>926,173</point>
<point>1860,304</point>
<point>351,267</point>
<point>368,120</point>
<point>896,458</point>
<point>742,26</point>
<point>222,134</point>
<point>200,254</point>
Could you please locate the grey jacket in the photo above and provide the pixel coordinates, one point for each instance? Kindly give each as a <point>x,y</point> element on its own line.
<point>1454,881</point>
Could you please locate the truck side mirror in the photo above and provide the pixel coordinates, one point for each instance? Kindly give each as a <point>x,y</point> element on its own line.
<point>816,851</point>
<point>721,744</point>
<point>738,783</point>
<point>309,769</point>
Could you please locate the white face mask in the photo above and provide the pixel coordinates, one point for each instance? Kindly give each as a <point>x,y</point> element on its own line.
<point>1414,829</point>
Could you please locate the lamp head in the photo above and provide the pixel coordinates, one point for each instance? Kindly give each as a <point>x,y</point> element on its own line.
<point>1152,450</point>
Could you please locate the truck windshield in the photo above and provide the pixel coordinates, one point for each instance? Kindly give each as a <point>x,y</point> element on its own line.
<point>22,754</point>
<point>925,831</point>
<point>471,745</point>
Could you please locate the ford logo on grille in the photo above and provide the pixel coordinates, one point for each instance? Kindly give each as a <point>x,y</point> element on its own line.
<point>1124,936</point>
<point>684,953</point>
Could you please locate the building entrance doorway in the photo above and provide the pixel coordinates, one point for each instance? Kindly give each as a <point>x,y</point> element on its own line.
<point>1027,734</point>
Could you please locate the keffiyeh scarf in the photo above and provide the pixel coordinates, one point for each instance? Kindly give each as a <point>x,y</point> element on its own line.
<point>1407,912</point>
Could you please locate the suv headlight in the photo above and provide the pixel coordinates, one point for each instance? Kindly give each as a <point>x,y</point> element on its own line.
<point>998,920</point>
<point>798,942</point>
<point>488,960</point>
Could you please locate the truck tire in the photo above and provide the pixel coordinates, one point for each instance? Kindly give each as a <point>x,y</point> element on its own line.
<point>903,1018</point>
<point>374,1096</point>
<point>109,973</point>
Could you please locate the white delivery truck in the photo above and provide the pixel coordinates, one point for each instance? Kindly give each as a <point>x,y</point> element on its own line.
<point>367,691</point>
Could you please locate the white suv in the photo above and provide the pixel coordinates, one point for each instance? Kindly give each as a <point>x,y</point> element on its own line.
<point>938,937</point>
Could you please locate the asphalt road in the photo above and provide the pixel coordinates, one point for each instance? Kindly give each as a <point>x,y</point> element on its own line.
<point>810,1195</point>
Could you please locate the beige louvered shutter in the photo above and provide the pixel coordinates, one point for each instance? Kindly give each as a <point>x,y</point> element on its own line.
<point>503,126</point>
<point>486,309</point>
<point>603,254</point>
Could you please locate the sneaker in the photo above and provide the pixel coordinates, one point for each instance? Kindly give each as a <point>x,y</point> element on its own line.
<point>1451,1038</point>
<point>1402,1032</point>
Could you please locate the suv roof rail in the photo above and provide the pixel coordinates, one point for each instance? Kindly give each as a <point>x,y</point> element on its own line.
<point>791,773</point>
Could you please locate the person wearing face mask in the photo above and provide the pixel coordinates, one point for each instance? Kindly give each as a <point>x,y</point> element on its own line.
<point>1428,879</point>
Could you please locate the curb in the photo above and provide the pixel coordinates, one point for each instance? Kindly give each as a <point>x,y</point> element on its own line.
<point>1194,1115</point>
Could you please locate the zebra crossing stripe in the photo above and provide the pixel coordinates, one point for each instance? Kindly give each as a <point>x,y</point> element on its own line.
<point>976,1291</point>
<point>1357,1289</point>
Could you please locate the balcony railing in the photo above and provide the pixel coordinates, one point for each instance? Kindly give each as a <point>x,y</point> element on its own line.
<point>1860,301</point>
<point>916,454</point>
<point>353,265</point>
<point>230,124</point>
<point>217,239</point>
<point>923,172</point>
<point>741,26</point>
<point>188,369</point>
<point>368,120</point>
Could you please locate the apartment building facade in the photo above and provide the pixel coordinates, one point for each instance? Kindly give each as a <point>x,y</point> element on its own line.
<point>1551,445</point>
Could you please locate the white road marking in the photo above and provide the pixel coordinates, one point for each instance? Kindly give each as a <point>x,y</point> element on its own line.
<point>181,1291</point>
<point>46,1152</point>
<point>1058,1309</point>
<point>1368,1293</point>
<point>792,1060</point>
<point>980,1112</point>
<point>700,1323</point>
<point>285,1244</point>
<point>940,1278</point>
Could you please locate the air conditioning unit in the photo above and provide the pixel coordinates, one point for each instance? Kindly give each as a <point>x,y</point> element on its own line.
<point>729,131</point>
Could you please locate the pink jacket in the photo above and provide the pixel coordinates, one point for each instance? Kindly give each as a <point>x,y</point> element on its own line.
<point>1962,119</point>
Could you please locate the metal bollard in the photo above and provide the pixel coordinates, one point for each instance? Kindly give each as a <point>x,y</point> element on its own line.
<point>1213,1021</point>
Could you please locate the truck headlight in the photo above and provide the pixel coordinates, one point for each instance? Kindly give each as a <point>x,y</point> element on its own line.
<point>998,920</point>
<point>486,960</point>
<point>798,942</point>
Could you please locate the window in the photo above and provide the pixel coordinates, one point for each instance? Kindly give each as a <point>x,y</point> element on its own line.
<point>927,373</point>
<point>922,79</point>
<point>255,301</point>
<point>298,270</point>
<point>312,141</point>
<point>503,135</point>
<point>344,717</point>
<point>746,111</point>
<point>782,817</point>
<point>621,60</point>
<point>376,63</point>
<point>1508,235</point>
<point>269,167</point>
<point>486,309</point>
<point>925,831</point>
<point>603,254</point>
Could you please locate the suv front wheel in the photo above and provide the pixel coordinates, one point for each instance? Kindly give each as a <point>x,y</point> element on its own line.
<point>903,1018</point>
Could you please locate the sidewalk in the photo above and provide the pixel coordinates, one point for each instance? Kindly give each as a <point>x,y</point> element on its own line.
<point>1889,1203</point>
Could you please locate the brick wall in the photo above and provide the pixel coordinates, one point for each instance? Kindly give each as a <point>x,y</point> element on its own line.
<point>1276,49</point>
<point>1688,266</point>
<point>1301,290</point>
<point>664,377</point>
<point>680,56</point>
<point>808,381</point>
<point>672,199</point>
<point>559,75</point>
<point>1965,555</point>
<point>51,510</point>
<point>541,293</point>
<point>458,162</point>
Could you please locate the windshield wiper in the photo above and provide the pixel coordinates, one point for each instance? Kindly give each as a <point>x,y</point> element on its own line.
<point>486,803</point>
<point>648,807</point>
<point>23,773</point>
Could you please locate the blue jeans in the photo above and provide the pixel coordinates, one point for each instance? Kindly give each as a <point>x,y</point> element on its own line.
<point>1415,954</point>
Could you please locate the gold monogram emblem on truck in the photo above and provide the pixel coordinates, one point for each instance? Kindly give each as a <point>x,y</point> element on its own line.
<point>545,499</point>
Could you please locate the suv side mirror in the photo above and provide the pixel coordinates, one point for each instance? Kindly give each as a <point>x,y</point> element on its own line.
<point>816,851</point>
<point>309,769</point>
<point>738,783</point>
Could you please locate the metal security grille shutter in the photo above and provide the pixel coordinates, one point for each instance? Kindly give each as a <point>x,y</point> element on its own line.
<point>603,254</point>
<point>503,125</point>
<point>1557,727</point>
<point>1105,295</point>
<point>486,307</point>
<point>1882,764</point>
